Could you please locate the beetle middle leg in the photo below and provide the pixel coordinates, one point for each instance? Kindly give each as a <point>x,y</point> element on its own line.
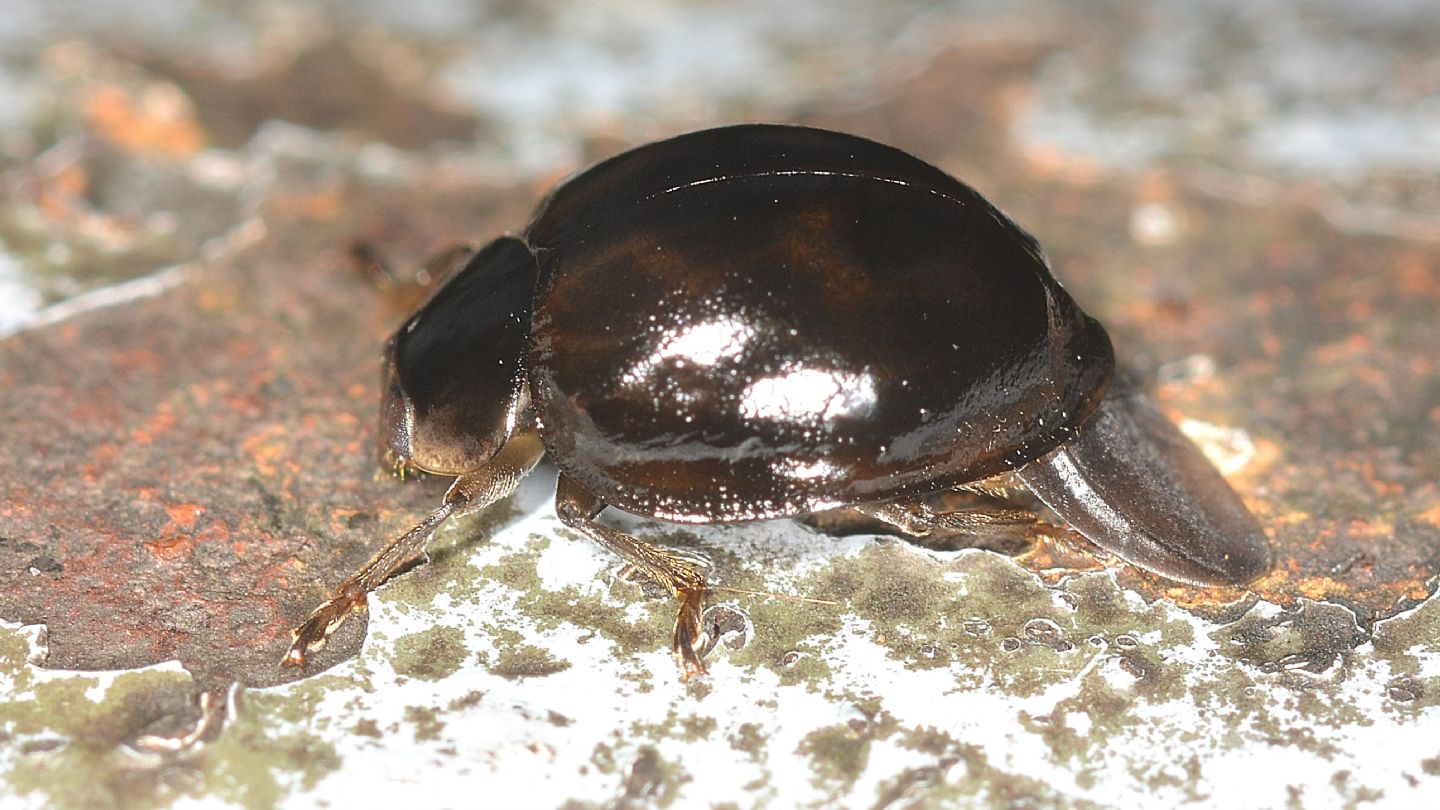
<point>471,491</point>
<point>578,508</point>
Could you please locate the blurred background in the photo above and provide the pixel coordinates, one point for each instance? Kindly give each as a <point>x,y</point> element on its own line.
<point>1336,102</point>
<point>1247,194</point>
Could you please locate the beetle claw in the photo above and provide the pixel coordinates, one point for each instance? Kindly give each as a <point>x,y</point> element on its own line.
<point>319,626</point>
<point>690,633</point>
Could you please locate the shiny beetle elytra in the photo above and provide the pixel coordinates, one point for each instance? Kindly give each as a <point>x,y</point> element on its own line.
<point>767,321</point>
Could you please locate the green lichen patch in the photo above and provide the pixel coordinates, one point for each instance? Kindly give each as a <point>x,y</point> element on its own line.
<point>960,774</point>
<point>651,781</point>
<point>837,753</point>
<point>584,608</point>
<point>1310,635</point>
<point>1106,610</point>
<point>262,757</point>
<point>946,771</point>
<point>427,722</point>
<point>516,569</point>
<point>430,655</point>
<point>927,740</point>
<point>788,638</point>
<point>60,731</point>
<point>447,570</point>
<point>748,738</point>
<point>647,779</point>
<point>1295,643</point>
<point>102,756</point>
<point>603,758</point>
<point>1401,641</point>
<point>976,613</point>
<point>1401,638</point>
<point>526,661</point>
<point>1080,730</point>
<point>303,703</point>
<point>592,612</point>
<point>15,671</point>
<point>902,587</point>
<point>694,727</point>
<point>678,726</point>
<point>502,638</point>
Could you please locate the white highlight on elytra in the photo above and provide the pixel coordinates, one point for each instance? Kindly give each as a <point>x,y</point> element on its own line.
<point>702,344</point>
<point>1076,482</point>
<point>705,343</point>
<point>809,470</point>
<point>809,394</point>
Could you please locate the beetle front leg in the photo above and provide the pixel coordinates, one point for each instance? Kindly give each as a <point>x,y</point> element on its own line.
<point>578,508</point>
<point>471,491</point>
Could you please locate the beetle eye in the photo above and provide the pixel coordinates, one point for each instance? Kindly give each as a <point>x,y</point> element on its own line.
<point>397,419</point>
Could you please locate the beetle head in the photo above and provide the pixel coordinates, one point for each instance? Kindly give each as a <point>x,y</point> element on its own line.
<point>453,381</point>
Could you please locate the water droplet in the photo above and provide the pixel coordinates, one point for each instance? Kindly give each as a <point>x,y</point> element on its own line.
<point>1046,633</point>
<point>728,625</point>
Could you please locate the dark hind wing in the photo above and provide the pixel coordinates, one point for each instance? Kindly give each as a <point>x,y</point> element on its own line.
<point>1135,486</point>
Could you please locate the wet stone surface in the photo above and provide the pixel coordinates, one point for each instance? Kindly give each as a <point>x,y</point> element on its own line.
<point>188,370</point>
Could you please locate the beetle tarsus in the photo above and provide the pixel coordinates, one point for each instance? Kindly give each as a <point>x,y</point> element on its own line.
<point>578,508</point>
<point>472,490</point>
<point>690,633</point>
<point>322,622</point>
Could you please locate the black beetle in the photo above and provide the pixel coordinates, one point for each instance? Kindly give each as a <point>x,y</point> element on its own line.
<point>766,321</point>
